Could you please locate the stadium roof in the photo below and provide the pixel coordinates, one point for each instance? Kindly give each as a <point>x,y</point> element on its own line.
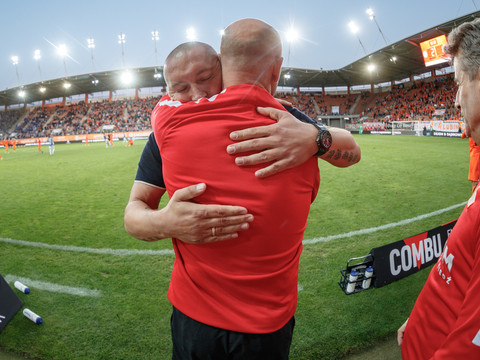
<point>409,62</point>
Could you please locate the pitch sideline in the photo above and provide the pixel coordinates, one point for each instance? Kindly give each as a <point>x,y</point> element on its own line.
<point>43,285</point>
<point>128,252</point>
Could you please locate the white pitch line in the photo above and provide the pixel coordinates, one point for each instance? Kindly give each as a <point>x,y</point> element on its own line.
<point>382,227</point>
<point>43,285</point>
<point>119,252</point>
<point>126,252</point>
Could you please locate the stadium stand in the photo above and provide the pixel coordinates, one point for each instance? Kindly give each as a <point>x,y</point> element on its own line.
<point>418,100</point>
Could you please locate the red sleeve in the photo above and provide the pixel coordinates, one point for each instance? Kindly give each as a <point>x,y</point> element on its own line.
<point>463,341</point>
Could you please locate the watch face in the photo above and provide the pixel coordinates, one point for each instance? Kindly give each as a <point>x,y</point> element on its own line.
<point>327,139</point>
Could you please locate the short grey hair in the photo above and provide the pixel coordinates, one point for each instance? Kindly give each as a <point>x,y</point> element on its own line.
<point>464,44</point>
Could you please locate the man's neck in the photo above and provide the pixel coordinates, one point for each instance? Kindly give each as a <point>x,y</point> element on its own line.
<point>239,79</point>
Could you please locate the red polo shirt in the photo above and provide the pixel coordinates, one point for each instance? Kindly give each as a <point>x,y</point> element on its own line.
<point>248,284</point>
<point>445,321</point>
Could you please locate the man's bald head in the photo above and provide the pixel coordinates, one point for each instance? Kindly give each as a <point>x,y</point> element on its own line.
<point>188,50</point>
<point>192,71</point>
<point>251,52</point>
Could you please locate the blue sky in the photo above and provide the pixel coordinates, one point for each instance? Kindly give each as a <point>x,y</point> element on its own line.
<point>325,41</point>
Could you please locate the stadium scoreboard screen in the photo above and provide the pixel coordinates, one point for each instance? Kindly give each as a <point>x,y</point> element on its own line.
<point>434,50</point>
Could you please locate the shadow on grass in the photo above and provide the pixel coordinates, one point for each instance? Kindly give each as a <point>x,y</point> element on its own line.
<point>385,350</point>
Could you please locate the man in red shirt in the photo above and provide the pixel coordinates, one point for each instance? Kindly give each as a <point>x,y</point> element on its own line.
<point>445,321</point>
<point>235,298</point>
<point>474,169</point>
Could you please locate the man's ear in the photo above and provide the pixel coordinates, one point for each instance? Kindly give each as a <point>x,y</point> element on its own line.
<point>276,71</point>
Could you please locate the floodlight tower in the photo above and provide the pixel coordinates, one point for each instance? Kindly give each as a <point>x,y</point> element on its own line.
<point>121,41</point>
<point>354,29</point>
<point>37,56</point>
<point>371,14</point>
<point>291,36</point>
<point>63,52</point>
<point>15,63</point>
<point>155,38</point>
<point>91,46</point>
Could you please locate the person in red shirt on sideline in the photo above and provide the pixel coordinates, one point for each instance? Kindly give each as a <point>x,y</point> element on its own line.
<point>445,321</point>
<point>245,289</point>
<point>474,169</point>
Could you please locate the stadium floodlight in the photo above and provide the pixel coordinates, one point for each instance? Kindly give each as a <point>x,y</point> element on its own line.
<point>221,32</point>
<point>126,77</point>
<point>67,85</point>
<point>157,75</point>
<point>155,38</point>
<point>291,36</point>
<point>393,59</point>
<point>37,56</point>
<point>63,52</point>
<point>121,38</point>
<point>191,34</point>
<point>355,29</point>
<point>287,76</point>
<point>371,67</point>
<point>42,89</point>
<point>15,63</point>
<point>91,46</point>
<point>371,15</point>
<point>22,93</point>
<point>121,41</point>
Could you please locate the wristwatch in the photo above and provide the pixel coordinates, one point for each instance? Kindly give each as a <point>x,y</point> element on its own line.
<point>324,139</point>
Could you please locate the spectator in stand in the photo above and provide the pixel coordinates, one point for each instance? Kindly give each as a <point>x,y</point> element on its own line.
<point>445,321</point>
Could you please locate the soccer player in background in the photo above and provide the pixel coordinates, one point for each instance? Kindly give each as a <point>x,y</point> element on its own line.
<point>51,145</point>
<point>445,321</point>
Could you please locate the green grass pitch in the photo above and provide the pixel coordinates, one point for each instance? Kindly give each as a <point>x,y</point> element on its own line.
<point>76,198</point>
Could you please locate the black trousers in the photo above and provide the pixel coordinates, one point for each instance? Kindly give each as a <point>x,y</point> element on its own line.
<point>193,340</point>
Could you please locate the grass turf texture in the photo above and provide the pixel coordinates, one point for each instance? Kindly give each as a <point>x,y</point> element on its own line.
<point>77,198</point>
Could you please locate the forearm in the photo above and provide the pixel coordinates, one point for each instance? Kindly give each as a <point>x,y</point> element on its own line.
<point>145,223</point>
<point>344,151</point>
<point>181,218</point>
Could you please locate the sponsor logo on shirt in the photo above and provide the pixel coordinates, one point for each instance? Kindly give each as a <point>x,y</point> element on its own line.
<point>445,264</point>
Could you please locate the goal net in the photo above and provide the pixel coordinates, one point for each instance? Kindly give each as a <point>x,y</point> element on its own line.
<point>404,127</point>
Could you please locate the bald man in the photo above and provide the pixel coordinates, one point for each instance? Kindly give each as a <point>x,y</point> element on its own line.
<point>236,298</point>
